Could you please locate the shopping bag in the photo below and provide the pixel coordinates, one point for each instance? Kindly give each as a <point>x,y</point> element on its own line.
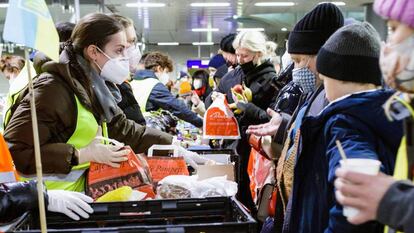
<point>219,121</point>
<point>134,173</point>
<point>259,167</point>
<point>163,166</point>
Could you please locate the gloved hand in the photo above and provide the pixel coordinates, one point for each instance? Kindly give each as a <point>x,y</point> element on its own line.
<point>96,151</point>
<point>73,204</point>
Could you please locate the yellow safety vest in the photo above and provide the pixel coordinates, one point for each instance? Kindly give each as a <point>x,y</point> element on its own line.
<point>142,90</point>
<point>85,132</point>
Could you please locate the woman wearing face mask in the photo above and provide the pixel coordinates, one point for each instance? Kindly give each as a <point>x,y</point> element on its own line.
<point>152,94</point>
<point>201,91</point>
<point>253,53</point>
<point>72,103</point>
<point>383,198</point>
<point>128,104</point>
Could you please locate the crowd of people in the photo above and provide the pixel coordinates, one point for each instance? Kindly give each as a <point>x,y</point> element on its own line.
<point>336,83</point>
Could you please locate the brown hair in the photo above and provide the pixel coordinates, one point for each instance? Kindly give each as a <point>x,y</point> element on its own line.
<point>125,21</point>
<point>92,29</point>
<point>155,59</point>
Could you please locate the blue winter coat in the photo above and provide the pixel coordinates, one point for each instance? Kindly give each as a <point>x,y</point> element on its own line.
<point>160,97</point>
<point>360,124</point>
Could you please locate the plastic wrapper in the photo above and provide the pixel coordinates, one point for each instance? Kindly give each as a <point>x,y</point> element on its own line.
<point>178,187</point>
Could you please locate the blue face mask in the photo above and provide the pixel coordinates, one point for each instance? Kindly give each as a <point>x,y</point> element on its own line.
<point>304,78</point>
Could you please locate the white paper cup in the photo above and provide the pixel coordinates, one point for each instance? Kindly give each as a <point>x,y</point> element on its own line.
<point>365,166</point>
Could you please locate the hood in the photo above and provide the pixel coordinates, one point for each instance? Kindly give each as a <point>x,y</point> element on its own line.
<point>144,74</point>
<point>266,68</point>
<point>356,105</point>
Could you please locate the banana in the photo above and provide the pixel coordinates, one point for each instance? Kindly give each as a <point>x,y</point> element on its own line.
<point>247,93</point>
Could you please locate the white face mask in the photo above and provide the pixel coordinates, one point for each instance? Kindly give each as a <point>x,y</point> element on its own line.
<point>197,83</point>
<point>115,70</point>
<point>163,77</point>
<point>397,64</point>
<point>134,55</point>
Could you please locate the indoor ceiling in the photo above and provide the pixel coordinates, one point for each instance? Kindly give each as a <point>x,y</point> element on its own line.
<point>174,22</point>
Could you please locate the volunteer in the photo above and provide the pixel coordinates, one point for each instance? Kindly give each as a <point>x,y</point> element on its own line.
<point>152,94</point>
<point>19,197</point>
<point>381,197</point>
<point>72,103</point>
<point>127,101</point>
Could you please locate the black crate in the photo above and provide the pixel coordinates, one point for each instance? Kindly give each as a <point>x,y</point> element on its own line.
<point>217,214</point>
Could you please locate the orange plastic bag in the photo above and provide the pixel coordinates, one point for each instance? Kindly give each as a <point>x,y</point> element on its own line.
<point>134,173</point>
<point>219,121</point>
<point>259,167</point>
<point>163,166</point>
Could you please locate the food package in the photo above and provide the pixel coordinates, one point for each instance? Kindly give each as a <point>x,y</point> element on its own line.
<point>219,121</point>
<point>177,187</point>
<point>134,173</point>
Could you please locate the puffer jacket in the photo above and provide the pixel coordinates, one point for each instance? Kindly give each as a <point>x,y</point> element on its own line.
<point>17,198</point>
<point>55,91</point>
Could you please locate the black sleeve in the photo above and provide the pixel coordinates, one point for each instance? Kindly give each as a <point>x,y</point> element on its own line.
<point>279,137</point>
<point>18,198</point>
<point>396,208</point>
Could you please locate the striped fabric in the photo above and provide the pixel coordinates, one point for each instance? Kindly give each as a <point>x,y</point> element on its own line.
<point>400,10</point>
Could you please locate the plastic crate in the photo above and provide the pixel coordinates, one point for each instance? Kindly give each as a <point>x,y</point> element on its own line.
<point>218,214</point>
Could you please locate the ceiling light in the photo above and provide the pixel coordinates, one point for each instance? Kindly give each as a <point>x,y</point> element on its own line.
<point>235,16</point>
<point>210,4</point>
<point>203,43</point>
<point>145,4</point>
<point>274,4</point>
<point>250,29</point>
<point>205,29</point>
<point>335,3</point>
<point>168,43</point>
<point>4,5</point>
<point>284,29</point>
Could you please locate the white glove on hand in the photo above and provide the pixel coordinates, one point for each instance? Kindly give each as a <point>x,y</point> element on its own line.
<point>192,158</point>
<point>73,204</point>
<point>100,153</point>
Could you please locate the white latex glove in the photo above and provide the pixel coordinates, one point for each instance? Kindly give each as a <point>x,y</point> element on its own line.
<point>73,204</point>
<point>190,157</point>
<point>96,151</point>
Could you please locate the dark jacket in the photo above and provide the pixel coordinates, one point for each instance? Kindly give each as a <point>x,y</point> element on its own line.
<point>396,208</point>
<point>17,198</point>
<point>360,124</point>
<point>129,104</point>
<point>229,80</point>
<point>55,91</point>
<point>160,97</point>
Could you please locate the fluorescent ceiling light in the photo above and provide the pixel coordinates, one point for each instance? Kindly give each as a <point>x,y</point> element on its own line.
<point>335,3</point>
<point>168,43</point>
<point>210,4</point>
<point>205,29</point>
<point>274,4</point>
<point>203,43</point>
<point>250,29</point>
<point>284,29</point>
<point>4,5</point>
<point>145,4</point>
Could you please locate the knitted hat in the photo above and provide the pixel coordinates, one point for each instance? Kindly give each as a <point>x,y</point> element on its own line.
<point>352,54</point>
<point>400,10</point>
<point>221,71</point>
<point>226,44</point>
<point>312,31</point>
<point>216,61</point>
<point>183,74</point>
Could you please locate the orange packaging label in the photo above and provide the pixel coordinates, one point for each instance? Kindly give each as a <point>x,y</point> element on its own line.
<point>162,167</point>
<point>134,173</point>
<point>219,122</point>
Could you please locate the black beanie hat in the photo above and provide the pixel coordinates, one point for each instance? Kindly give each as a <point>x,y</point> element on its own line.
<point>226,43</point>
<point>352,55</point>
<point>312,31</point>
